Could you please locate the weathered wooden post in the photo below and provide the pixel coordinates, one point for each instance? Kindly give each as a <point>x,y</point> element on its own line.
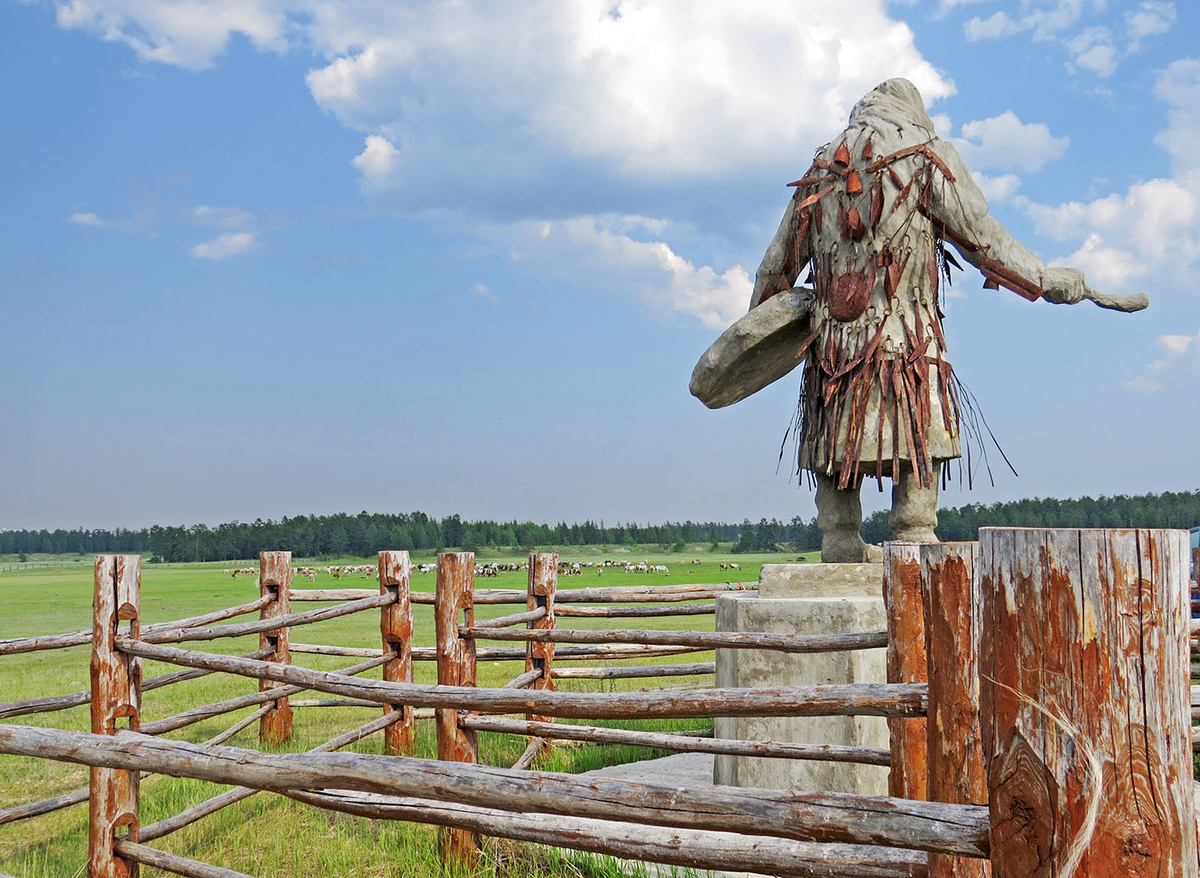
<point>906,663</point>
<point>116,695</point>
<point>455,667</point>
<point>1086,703</point>
<point>953,616</point>
<point>543,582</point>
<point>395,624</point>
<point>275,579</point>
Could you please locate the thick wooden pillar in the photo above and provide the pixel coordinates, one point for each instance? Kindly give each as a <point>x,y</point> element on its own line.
<point>906,663</point>
<point>455,667</point>
<point>275,579</point>
<point>395,624</point>
<point>116,702</point>
<point>543,581</point>
<point>953,617</point>
<point>1084,654</point>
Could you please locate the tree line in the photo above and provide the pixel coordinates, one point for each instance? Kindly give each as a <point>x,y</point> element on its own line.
<point>364,534</point>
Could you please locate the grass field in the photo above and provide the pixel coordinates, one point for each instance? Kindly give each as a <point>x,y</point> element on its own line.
<point>269,836</point>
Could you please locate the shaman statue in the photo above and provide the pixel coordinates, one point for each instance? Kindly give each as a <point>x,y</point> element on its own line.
<point>870,219</point>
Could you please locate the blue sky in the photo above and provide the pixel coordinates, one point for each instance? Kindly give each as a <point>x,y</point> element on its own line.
<point>264,257</point>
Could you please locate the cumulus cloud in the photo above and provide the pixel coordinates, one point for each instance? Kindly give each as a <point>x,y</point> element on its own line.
<point>377,159</point>
<point>994,27</point>
<point>1149,19</point>
<point>1004,143</point>
<point>1093,50</point>
<point>226,245</point>
<point>186,34</point>
<point>219,217</point>
<point>1151,230</point>
<point>86,219</point>
<point>626,255</point>
<point>999,188</point>
<point>1176,352</point>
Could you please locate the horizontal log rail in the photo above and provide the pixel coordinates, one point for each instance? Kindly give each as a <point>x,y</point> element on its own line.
<point>524,681</point>
<point>615,611</point>
<point>792,643</point>
<point>79,638</point>
<point>46,806</point>
<point>513,619</point>
<point>683,743</point>
<point>217,708</point>
<point>513,596</point>
<point>243,723</point>
<point>502,653</point>
<point>229,797</point>
<point>720,852</point>
<point>9,709</point>
<point>818,817</point>
<point>848,699</point>
<point>635,671</point>
<point>289,620</point>
<point>169,862</point>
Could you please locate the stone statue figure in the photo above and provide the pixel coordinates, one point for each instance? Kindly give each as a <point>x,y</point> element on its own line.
<point>870,219</point>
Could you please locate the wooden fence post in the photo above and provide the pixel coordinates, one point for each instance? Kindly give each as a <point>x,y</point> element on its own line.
<point>395,624</point>
<point>116,695</point>
<point>953,616</point>
<point>543,582</point>
<point>455,667</point>
<point>906,663</point>
<point>1084,653</point>
<point>275,578</point>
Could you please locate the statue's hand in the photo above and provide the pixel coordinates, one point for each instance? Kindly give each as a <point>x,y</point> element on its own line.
<point>1064,286</point>
<point>1067,286</point>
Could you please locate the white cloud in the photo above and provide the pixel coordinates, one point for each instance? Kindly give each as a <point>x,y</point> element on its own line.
<point>1149,19</point>
<point>377,159</point>
<point>994,27</point>
<point>1177,353</point>
<point>226,245</point>
<point>1149,235</point>
<point>219,217</point>
<point>999,188</point>
<point>1004,142</point>
<point>623,256</point>
<point>483,291</point>
<point>186,33</point>
<point>86,219</point>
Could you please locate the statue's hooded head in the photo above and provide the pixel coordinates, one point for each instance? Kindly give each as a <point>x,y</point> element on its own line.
<point>895,102</point>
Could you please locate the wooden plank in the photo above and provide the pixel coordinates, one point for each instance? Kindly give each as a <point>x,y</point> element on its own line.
<point>541,588</point>
<point>1083,654</point>
<point>396,629</point>
<point>795,814</point>
<point>838,699</point>
<point>792,643</point>
<point>906,663</point>
<point>721,852</point>
<point>168,862</point>
<point>455,668</point>
<point>681,743</point>
<point>115,703</point>
<point>274,580</point>
<point>953,622</point>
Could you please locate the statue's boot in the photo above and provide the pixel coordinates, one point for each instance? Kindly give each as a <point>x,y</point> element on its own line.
<point>914,509</point>
<point>839,517</point>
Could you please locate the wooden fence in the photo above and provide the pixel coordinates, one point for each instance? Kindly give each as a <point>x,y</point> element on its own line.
<point>1036,694</point>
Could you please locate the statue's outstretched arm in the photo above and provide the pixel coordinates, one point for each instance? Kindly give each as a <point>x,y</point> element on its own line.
<point>786,255</point>
<point>959,210</point>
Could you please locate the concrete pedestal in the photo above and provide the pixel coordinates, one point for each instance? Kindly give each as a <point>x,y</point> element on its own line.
<point>804,599</point>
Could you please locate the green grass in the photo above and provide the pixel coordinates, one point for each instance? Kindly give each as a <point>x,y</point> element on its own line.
<point>269,836</point>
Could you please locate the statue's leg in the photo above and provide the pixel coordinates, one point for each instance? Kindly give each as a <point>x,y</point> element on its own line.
<point>839,516</point>
<point>914,509</point>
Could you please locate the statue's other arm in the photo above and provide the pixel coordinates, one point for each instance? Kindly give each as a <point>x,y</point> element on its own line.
<point>959,209</point>
<point>785,257</point>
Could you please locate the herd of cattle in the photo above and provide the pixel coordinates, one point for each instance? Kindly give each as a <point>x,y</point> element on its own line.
<point>495,568</point>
